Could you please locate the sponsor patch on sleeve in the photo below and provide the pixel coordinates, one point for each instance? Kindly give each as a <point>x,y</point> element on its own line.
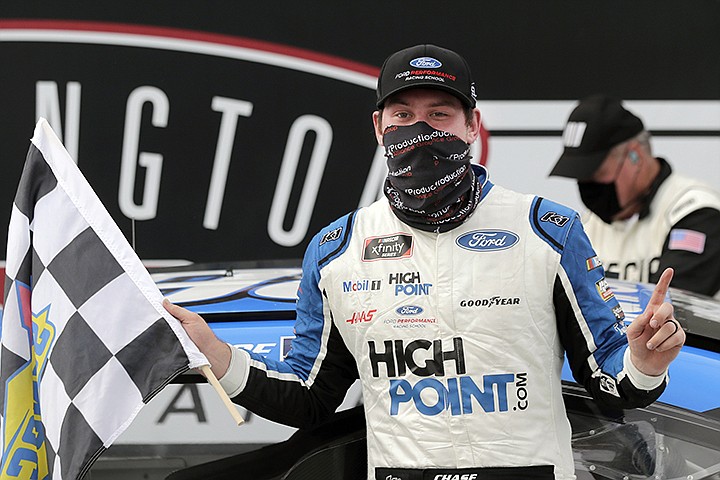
<point>556,218</point>
<point>688,240</point>
<point>618,312</point>
<point>592,263</point>
<point>608,385</point>
<point>604,289</point>
<point>331,236</point>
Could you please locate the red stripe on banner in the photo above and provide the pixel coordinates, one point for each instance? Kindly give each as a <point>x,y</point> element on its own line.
<point>2,283</point>
<point>168,32</point>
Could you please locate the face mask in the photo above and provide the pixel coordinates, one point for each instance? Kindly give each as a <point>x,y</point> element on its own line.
<point>430,184</point>
<point>601,199</point>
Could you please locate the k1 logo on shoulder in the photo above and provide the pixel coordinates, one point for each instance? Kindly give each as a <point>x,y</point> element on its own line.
<point>556,218</point>
<point>389,247</point>
<point>331,236</point>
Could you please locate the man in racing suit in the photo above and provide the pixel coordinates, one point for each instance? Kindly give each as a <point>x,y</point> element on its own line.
<point>642,217</point>
<point>453,300</point>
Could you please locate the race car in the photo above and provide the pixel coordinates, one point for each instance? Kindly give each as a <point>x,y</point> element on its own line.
<point>186,433</point>
<point>677,437</point>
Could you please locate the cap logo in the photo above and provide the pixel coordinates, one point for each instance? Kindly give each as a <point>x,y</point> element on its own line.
<point>573,135</point>
<point>425,62</point>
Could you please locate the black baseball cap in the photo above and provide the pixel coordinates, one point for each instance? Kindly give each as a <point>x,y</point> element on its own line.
<point>426,66</point>
<point>597,124</point>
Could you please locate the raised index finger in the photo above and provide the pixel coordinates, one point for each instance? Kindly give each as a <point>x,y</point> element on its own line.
<point>660,292</point>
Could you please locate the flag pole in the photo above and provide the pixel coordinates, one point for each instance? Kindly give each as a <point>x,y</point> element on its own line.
<point>212,379</point>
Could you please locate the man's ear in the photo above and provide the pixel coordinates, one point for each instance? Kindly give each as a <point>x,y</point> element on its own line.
<point>377,124</point>
<point>473,128</point>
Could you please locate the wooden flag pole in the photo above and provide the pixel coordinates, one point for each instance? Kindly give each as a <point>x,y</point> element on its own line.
<point>223,396</point>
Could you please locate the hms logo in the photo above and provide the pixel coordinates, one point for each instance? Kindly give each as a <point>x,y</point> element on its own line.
<point>361,317</point>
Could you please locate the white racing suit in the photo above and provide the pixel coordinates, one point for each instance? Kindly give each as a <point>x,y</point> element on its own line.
<point>639,249</point>
<point>458,339</point>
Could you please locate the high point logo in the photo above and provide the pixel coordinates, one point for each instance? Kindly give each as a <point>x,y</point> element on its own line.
<point>408,283</point>
<point>432,395</point>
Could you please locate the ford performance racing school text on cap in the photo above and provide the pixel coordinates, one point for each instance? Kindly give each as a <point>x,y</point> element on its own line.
<point>426,66</point>
<point>596,125</point>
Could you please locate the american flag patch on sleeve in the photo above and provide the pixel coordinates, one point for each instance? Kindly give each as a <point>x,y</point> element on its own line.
<point>688,240</point>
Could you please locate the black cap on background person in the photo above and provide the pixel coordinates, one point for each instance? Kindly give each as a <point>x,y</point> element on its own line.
<point>427,66</point>
<point>595,126</point>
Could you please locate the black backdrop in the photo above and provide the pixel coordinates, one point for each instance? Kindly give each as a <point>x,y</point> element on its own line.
<point>518,50</point>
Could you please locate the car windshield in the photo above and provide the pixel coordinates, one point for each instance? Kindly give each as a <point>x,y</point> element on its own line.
<point>658,442</point>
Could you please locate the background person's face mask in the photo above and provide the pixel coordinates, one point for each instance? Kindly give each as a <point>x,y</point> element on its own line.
<point>430,183</point>
<point>601,199</point>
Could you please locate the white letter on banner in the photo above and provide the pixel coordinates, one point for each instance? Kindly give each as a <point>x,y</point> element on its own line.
<point>230,109</point>
<point>318,158</point>
<point>152,161</point>
<point>47,105</point>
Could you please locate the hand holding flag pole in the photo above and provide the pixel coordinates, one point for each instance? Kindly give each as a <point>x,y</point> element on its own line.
<point>217,351</point>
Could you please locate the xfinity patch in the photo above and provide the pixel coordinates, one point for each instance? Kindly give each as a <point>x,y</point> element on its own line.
<point>390,247</point>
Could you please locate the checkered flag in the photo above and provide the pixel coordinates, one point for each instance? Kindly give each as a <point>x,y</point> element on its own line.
<point>85,340</point>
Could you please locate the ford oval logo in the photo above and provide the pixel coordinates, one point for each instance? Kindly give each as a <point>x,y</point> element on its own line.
<point>409,310</point>
<point>487,240</point>
<point>425,62</point>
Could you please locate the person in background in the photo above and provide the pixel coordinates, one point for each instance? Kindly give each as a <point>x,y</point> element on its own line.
<point>643,217</point>
<point>453,300</point>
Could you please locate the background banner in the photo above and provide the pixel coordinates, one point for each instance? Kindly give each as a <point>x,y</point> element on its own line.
<point>234,131</point>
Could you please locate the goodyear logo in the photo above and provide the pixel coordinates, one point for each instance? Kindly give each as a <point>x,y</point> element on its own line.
<point>25,455</point>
